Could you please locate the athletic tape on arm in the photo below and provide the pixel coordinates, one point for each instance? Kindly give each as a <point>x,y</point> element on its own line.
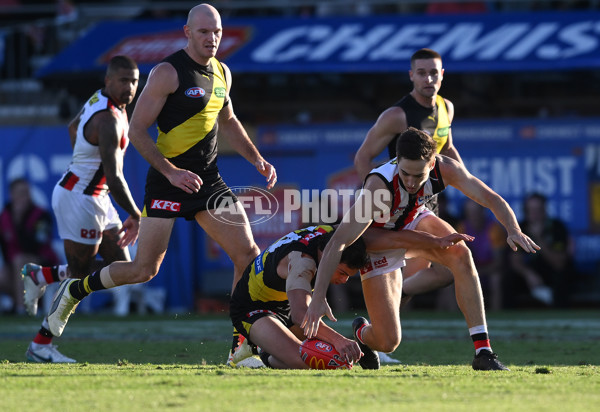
<point>300,272</point>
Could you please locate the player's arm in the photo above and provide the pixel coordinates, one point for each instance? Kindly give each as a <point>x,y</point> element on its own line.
<point>390,123</point>
<point>72,128</point>
<point>354,223</point>
<point>162,81</point>
<point>233,131</point>
<point>301,270</point>
<point>108,133</point>
<point>377,239</point>
<point>456,175</point>
<point>449,149</point>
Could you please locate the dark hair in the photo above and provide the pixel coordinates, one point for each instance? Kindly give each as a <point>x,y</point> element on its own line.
<point>354,255</point>
<point>17,181</point>
<point>121,62</point>
<point>537,196</point>
<point>415,144</point>
<point>423,54</point>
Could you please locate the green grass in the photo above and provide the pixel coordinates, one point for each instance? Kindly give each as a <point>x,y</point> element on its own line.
<point>176,363</point>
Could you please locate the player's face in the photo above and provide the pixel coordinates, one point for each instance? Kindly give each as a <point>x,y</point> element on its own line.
<point>341,275</point>
<point>204,35</point>
<point>122,85</point>
<point>427,75</point>
<point>414,173</point>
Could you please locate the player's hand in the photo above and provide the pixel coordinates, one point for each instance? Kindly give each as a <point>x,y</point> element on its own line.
<point>521,239</point>
<point>317,309</point>
<point>453,239</point>
<point>187,181</point>
<point>131,229</point>
<point>348,348</point>
<point>268,170</point>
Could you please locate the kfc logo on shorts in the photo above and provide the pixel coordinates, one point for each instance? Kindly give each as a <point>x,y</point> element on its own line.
<point>165,205</point>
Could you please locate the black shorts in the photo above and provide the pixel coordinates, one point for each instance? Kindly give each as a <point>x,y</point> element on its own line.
<point>244,322</point>
<point>164,200</point>
<point>244,311</point>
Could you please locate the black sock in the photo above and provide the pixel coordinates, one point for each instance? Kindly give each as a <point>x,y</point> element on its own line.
<point>45,332</point>
<point>81,288</point>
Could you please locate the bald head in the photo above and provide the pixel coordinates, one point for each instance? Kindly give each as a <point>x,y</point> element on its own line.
<point>203,9</point>
<point>203,31</point>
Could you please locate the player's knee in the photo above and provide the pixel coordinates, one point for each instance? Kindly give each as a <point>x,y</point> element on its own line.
<point>390,344</point>
<point>459,256</point>
<point>144,273</point>
<point>243,257</point>
<point>387,342</point>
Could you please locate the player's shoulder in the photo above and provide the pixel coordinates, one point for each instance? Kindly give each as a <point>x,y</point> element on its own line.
<point>393,119</point>
<point>449,167</point>
<point>163,69</point>
<point>163,76</point>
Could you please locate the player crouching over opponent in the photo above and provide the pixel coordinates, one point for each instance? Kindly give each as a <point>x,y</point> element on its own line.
<point>270,300</point>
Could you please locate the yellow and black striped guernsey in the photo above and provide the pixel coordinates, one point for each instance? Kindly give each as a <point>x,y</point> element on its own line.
<point>260,286</point>
<point>187,124</point>
<point>433,120</point>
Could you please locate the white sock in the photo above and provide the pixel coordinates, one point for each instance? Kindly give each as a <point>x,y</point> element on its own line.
<point>62,272</point>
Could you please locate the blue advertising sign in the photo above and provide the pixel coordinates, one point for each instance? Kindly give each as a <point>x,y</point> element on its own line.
<point>469,43</point>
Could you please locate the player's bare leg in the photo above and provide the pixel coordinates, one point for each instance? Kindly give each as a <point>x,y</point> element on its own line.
<point>235,238</point>
<point>382,298</point>
<point>153,241</point>
<point>460,262</point>
<point>426,280</point>
<point>278,341</point>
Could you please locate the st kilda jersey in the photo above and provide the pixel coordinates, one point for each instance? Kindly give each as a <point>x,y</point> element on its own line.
<point>85,173</point>
<point>406,207</point>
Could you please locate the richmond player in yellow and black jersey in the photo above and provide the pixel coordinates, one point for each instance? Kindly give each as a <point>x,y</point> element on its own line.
<point>270,300</point>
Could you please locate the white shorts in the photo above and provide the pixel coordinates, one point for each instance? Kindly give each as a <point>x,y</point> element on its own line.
<point>82,218</point>
<point>386,261</point>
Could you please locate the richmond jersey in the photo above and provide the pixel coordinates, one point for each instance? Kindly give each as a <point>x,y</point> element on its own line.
<point>187,123</point>
<point>433,120</point>
<point>85,173</point>
<point>406,207</point>
<point>260,283</point>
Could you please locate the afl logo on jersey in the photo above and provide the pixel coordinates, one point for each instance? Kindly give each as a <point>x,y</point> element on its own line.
<point>195,92</point>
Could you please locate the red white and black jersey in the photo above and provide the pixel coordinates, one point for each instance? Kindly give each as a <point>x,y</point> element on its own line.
<point>406,207</point>
<point>85,173</point>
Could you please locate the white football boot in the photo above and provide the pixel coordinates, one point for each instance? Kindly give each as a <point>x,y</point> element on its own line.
<point>32,289</point>
<point>46,354</point>
<point>63,305</point>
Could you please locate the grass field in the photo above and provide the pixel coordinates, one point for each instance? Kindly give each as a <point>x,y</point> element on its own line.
<point>177,363</point>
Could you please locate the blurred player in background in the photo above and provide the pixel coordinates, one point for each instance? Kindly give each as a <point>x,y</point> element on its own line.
<point>187,95</point>
<point>26,235</point>
<point>546,275</point>
<point>87,221</point>
<point>412,177</point>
